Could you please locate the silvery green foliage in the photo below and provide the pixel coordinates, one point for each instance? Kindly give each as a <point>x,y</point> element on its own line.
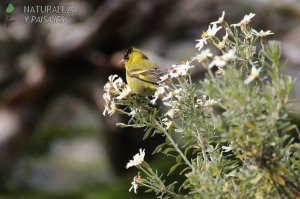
<point>230,134</point>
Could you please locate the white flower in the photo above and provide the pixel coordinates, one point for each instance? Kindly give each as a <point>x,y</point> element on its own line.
<point>210,102</point>
<point>211,31</point>
<point>116,82</point>
<point>245,21</point>
<point>112,78</point>
<point>172,94</point>
<point>114,85</point>
<point>220,72</point>
<point>109,88</point>
<point>247,18</point>
<point>230,55</point>
<point>199,102</point>
<point>106,111</point>
<point>132,113</point>
<point>164,78</point>
<point>172,112</point>
<point>161,90</point>
<point>218,61</point>
<point>135,183</point>
<point>207,103</point>
<point>201,43</point>
<point>153,101</point>
<point>137,159</point>
<point>204,55</point>
<point>168,123</point>
<point>134,186</point>
<point>180,70</point>
<point>262,33</point>
<point>125,93</point>
<point>110,108</point>
<point>253,75</point>
<point>226,148</point>
<point>107,98</point>
<point>221,61</point>
<point>220,20</point>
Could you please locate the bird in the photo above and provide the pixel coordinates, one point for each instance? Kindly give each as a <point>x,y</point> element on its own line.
<point>142,75</point>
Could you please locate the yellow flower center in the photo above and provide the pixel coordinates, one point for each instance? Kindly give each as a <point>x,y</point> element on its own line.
<point>204,34</point>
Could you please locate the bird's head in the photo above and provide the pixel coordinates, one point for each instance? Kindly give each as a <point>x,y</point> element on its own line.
<point>133,55</point>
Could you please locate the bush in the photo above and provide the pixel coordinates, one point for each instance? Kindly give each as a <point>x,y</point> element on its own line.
<point>230,133</point>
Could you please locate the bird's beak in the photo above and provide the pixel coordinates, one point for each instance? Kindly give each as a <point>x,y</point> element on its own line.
<point>122,62</point>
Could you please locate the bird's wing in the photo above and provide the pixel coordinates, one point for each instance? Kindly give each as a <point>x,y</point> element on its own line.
<point>147,75</point>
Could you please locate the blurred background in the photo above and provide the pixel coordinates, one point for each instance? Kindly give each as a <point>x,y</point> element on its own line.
<point>54,140</point>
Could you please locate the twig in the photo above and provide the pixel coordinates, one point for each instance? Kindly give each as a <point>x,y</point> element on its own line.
<point>173,144</point>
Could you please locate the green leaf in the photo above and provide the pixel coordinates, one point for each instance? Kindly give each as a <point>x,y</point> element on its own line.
<point>159,148</point>
<point>184,170</point>
<point>10,8</point>
<point>147,133</point>
<point>148,191</point>
<point>173,168</point>
<point>186,150</point>
<point>121,125</point>
<point>168,150</point>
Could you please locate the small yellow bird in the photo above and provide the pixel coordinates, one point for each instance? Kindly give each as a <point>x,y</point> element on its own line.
<point>142,75</point>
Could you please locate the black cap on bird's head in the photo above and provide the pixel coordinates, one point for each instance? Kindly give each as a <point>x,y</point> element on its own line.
<point>127,53</point>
